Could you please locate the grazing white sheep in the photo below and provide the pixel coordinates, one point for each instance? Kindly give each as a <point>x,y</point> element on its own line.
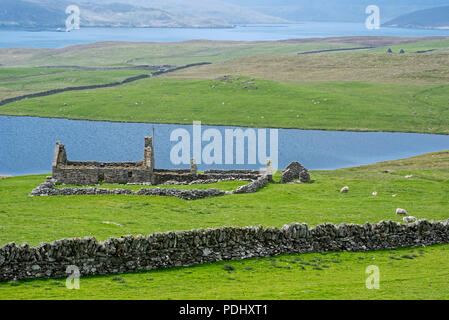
<point>375,193</point>
<point>409,219</point>
<point>409,176</point>
<point>400,211</point>
<point>344,189</point>
<point>114,223</point>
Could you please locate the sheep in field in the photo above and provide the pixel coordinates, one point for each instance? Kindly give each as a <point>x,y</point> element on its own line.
<point>400,211</point>
<point>409,219</point>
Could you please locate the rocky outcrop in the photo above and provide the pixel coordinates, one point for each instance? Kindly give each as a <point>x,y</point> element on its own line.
<point>186,248</point>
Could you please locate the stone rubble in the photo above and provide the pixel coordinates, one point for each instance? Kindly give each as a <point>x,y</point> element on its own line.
<point>48,188</point>
<point>208,181</point>
<point>255,185</point>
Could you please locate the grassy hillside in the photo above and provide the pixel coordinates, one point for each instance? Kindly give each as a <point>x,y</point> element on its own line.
<point>405,273</point>
<point>20,81</point>
<point>244,101</point>
<point>29,15</point>
<point>433,18</point>
<point>330,10</point>
<point>47,14</point>
<point>359,66</point>
<point>360,90</point>
<point>441,45</point>
<point>32,220</point>
<point>178,53</point>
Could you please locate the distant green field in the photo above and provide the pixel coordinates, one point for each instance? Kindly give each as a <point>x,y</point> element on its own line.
<point>21,81</point>
<point>417,46</point>
<point>353,66</point>
<point>180,53</point>
<point>243,101</point>
<point>417,273</point>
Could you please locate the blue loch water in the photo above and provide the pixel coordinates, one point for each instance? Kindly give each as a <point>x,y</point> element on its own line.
<point>53,39</point>
<point>27,144</point>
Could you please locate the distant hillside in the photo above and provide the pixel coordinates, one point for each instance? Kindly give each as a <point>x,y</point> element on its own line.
<point>50,14</point>
<point>28,15</point>
<point>336,10</point>
<point>435,18</point>
<point>231,13</point>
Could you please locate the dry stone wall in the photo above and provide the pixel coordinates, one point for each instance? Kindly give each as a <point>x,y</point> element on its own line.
<point>186,248</point>
<point>48,188</point>
<point>164,69</point>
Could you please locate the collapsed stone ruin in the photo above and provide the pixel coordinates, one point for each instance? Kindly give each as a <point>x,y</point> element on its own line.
<point>140,172</point>
<point>144,172</point>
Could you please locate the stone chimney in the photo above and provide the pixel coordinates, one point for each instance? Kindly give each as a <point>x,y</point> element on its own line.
<point>60,155</point>
<point>148,156</point>
<point>193,166</point>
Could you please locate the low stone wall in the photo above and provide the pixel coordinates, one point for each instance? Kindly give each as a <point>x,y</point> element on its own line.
<point>255,185</point>
<point>55,91</point>
<point>140,67</point>
<point>162,178</point>
<point>209,181</point>
<point>92,173</point>
<point>96,164</point>
<point>47,188</point>
<point>95,175</point>
<point>336,50</point>
<point>186,248</point>
<point>237,172</point>
<point>99,86</point>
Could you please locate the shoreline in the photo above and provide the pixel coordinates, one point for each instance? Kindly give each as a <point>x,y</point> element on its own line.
<point>354,130</point>
<point>279,170</point>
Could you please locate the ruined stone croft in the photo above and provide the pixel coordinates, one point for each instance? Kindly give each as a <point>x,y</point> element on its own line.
<point>141,172</point>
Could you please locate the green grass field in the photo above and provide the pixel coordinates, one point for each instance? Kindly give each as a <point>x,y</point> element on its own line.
<point>410,274</point>
<point>128,53</point>
<point>270,86</point>
<point>180,53</point>
<point>359,91</point>
<point>442,44</point>
<point>360,66</point>
<point>33,220</point>
<point>257,103</point>
<point>404,274</point>
<point>20,81</point>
